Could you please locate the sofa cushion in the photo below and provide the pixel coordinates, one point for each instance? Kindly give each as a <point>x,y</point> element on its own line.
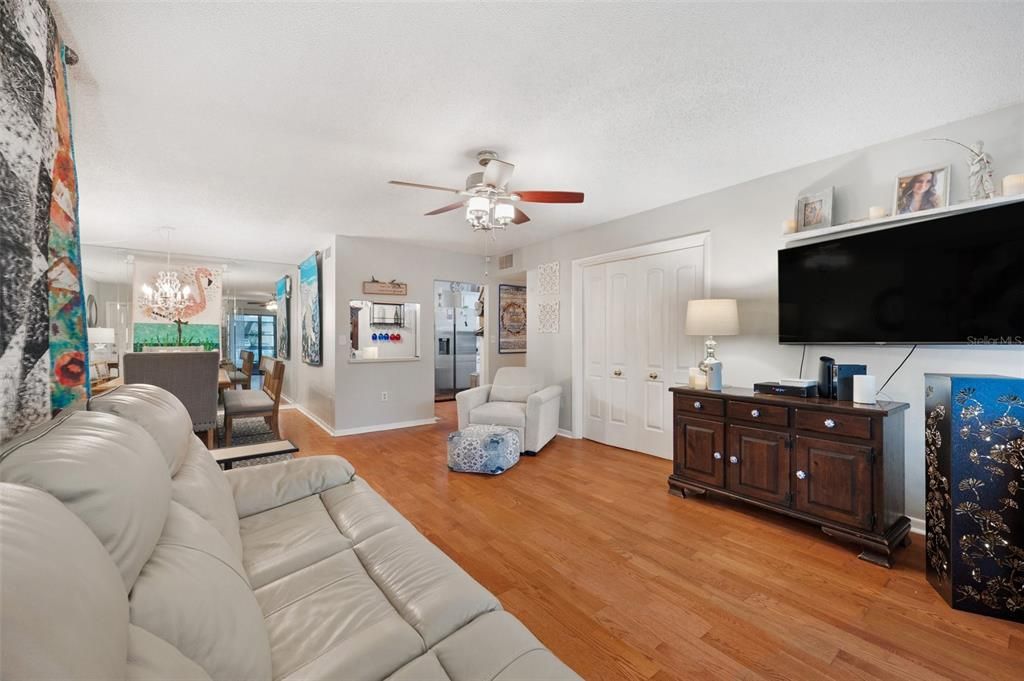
<point>150,658</point>
<point>261,488</point>
<point>65,608</point>
<point>108,471</point>
<point>427,588</point>
<point>288,538</point>
<point>512,414</point>
<point>359,512</point>
<point>160,413</point>
<point>242,402</point>
<point>330,621</point>
<point>200,485</point>
<point>503,392</point>
<point>194,594</point>
<point>497,645</point>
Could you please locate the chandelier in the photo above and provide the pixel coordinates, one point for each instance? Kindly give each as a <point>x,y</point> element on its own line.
<point>168,298</point>
<point>486,213</point>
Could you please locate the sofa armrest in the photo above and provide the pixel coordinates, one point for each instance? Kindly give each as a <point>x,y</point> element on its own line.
<point>261,488</point>
<point>542,409</point>
<point>468,400</point>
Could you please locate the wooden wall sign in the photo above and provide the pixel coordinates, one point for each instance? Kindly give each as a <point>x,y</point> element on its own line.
<point>385,288</point>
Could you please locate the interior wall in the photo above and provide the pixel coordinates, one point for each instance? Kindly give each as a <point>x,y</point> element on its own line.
<point>744,222</point>
<point>409,384</point>
<point>312,388</point>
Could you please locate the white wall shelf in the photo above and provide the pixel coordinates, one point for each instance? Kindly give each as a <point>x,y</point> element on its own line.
<point>864,226</point>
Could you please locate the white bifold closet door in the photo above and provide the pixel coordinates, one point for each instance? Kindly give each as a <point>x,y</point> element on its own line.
<point>634,347</point>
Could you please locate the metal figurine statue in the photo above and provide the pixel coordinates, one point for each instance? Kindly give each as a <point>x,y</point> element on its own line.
<point>980,164</point>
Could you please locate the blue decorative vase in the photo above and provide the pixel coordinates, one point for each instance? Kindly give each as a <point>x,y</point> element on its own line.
<point>974,503</point>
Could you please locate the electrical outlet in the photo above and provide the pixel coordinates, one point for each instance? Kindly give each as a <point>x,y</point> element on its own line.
<point>384,397</point>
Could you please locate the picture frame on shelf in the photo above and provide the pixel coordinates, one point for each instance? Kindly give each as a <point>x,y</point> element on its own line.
<point>921,189</point>
<point>814,211</point>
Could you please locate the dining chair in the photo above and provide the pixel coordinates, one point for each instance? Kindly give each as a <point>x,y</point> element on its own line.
<point>255,403</point>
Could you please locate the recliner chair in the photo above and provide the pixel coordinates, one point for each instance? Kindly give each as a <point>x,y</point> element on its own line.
<point>516,399</point>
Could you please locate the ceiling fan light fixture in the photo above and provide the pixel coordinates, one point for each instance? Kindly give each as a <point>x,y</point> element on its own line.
<point>504,213</point>
<point>478,209</point>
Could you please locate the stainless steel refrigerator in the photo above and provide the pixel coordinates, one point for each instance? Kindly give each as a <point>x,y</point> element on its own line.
<point>455,353</point>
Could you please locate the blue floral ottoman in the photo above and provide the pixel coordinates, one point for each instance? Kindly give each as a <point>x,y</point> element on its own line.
<point>483,449</point>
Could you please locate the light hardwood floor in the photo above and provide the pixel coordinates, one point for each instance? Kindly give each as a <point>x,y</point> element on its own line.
<point>622,581</point>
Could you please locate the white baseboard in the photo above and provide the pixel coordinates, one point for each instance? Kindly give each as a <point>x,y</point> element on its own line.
<point>312,417</point>
<point>562,432</point>
<point>917,525</point>
<point>385,426</point>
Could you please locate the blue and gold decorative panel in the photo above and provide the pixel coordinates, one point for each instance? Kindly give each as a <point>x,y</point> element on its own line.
<point>974,458</point>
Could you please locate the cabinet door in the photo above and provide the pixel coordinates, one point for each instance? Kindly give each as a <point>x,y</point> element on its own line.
<point>758,464</point>
<point>833,480</point>
<point>700,451</point>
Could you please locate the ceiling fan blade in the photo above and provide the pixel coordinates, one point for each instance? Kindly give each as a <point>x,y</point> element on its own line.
<point>520,217</point>
<point>498,173</point>
<point>550,197</point>
<point>450,206</point>
<point>424,186</point>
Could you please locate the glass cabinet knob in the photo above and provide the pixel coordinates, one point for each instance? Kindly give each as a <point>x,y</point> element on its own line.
<point>800,475</point>
<point>733,459</point>
<point>755,413</point>
<point>829,423</point>
<point>717,455</point>
<point>697,405</point>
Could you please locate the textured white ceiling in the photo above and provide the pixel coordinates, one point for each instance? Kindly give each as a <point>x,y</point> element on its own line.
<point>254,129</point>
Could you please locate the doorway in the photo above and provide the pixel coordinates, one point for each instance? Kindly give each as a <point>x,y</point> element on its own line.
<point>458,337</point>
<point>632,348</point>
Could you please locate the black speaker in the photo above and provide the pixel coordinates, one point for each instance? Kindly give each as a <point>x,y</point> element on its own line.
<point>844,379</point>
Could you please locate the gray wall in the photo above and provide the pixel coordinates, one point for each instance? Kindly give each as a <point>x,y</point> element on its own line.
<point>745,225</point>
<point>313,387</point>
<point>410,385</point>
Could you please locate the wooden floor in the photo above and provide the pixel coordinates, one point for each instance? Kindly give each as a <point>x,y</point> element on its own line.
<point>622,581</point>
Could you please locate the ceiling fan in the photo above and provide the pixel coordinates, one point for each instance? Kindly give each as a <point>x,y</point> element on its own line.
<point>489,203</point>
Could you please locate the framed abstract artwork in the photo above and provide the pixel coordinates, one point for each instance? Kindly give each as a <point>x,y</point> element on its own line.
<point>511,319</point>
<point>309,307</point>
<point>283,296</point>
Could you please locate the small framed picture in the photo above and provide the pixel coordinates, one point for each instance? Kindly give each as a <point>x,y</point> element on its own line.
<point>814,211</point>
<point>924,189</point>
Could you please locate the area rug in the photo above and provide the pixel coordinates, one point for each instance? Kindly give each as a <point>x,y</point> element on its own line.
<point>43,367</point>
<point>250,432</point>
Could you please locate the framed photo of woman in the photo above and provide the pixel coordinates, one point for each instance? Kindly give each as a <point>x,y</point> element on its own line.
<point>923,189</point>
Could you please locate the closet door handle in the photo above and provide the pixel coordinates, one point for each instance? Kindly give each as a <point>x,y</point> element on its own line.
<point>653,376</point>
<point>617,372</point>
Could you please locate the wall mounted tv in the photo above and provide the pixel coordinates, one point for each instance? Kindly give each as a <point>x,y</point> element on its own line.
<point>951,279</point>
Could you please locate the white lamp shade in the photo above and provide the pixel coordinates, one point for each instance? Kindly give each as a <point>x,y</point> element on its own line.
<point>504,212</point>
<point>712,317</point>
<point>99,334</point>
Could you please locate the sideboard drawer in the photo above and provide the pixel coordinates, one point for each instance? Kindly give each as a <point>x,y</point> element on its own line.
<point>771,414</point>
<point>710,406</point>
<point>834,423</point>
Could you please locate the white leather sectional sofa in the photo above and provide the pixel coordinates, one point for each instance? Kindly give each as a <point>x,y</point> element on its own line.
<point>128,554</point>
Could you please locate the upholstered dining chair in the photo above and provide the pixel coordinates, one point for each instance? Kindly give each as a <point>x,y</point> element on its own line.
<point>189,376</point>
<point>255,403</point>
<point>243,375</point>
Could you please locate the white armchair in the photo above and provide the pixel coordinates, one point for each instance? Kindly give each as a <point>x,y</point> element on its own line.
<point>517,399</point>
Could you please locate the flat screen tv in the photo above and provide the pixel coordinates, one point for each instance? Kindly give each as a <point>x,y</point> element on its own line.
<point>954,279</point>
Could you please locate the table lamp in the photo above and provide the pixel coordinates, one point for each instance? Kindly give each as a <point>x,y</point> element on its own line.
<point>712,317</point>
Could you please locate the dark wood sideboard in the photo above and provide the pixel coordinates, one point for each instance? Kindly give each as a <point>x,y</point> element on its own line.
<point>835,464</point>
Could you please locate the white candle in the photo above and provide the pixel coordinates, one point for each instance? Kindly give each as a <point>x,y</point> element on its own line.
<point>789,226</point>
<point>694,372</point>
<point>876,212</point>
<point>1013,185</point>
<point>701,382</point>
